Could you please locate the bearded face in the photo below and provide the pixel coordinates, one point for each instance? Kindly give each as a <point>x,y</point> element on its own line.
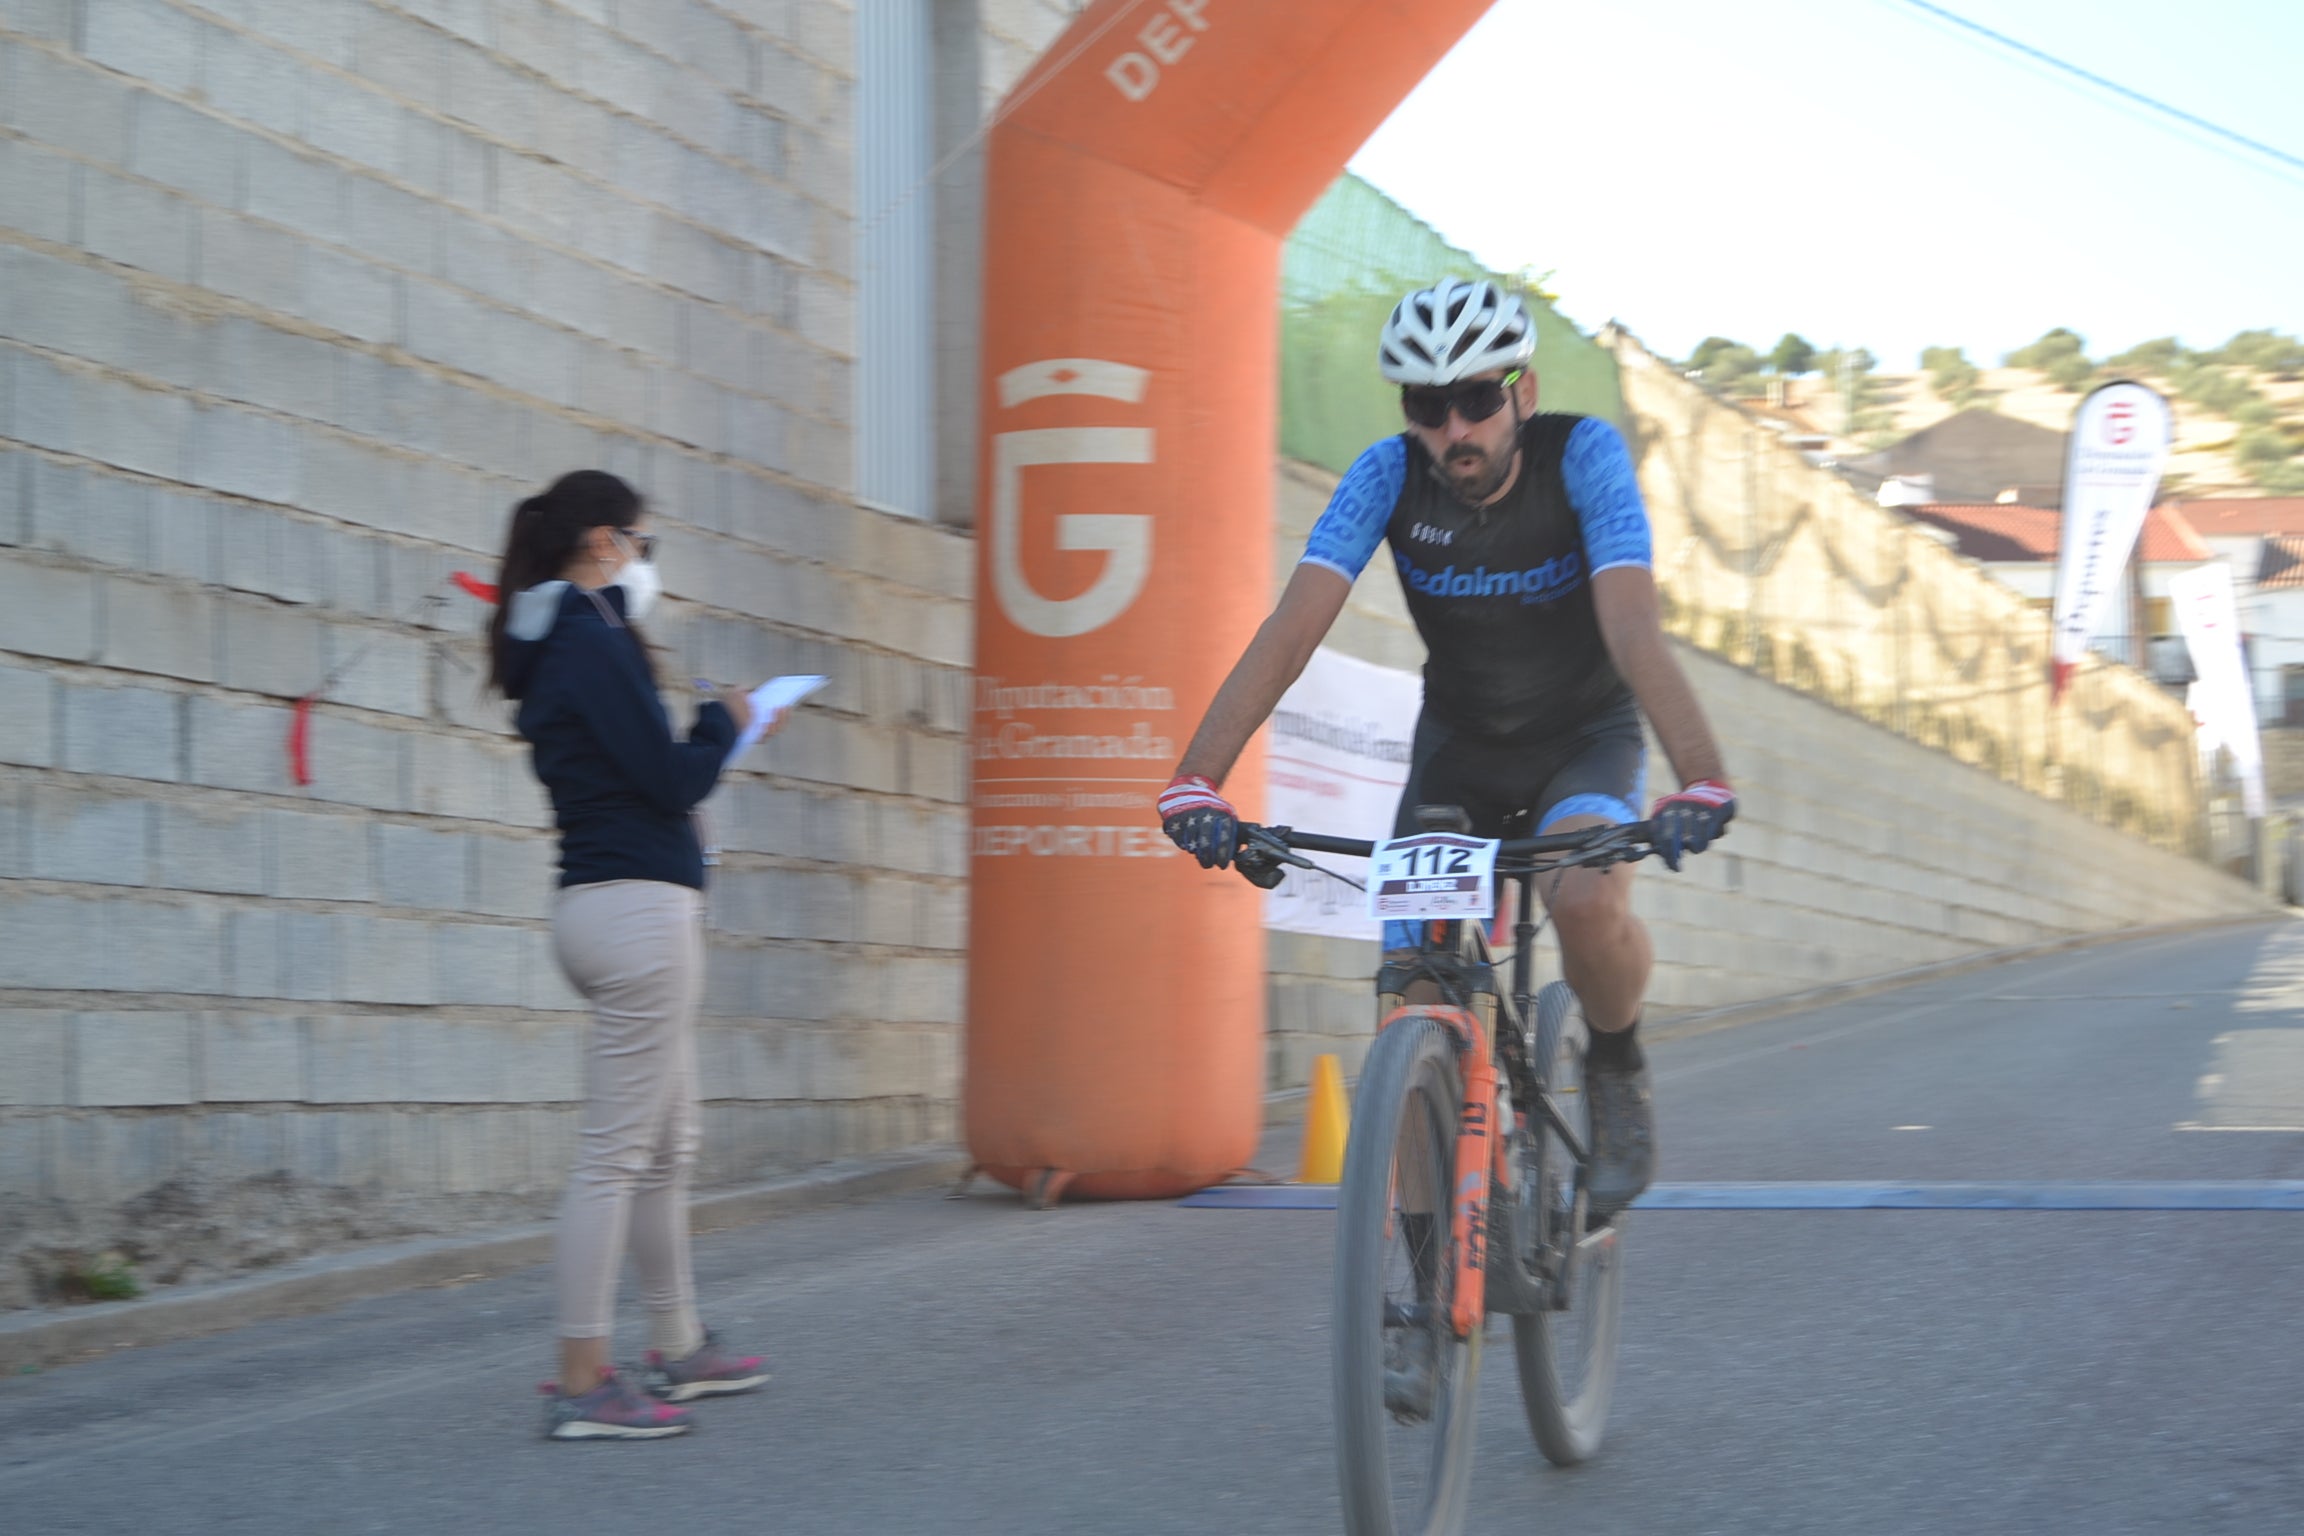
<point>1474,472</point>
<point>1475,448</point>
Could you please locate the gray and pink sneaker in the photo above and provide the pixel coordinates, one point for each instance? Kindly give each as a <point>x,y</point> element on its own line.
<point>613,1410</point>
<point>710,1372</point>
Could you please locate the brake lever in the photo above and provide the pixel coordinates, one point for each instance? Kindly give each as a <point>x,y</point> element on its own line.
<point>1269,841</point>
<point>1280,851</point>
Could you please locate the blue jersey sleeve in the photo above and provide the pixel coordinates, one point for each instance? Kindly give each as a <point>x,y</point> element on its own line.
<point>1597,469</point>
<point>1346,536</point>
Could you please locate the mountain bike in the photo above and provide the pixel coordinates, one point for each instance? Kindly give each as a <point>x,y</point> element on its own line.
<point>1463,1195</point>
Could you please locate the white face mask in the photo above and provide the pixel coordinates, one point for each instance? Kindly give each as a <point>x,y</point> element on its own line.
<point>641,581</point>
<point>642,585</point>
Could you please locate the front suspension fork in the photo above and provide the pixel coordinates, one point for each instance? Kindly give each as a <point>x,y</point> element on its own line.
<point>1479,1152</point>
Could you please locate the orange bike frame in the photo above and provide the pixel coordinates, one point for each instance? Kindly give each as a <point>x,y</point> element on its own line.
<point>1476,1144</point>
<point>1479,1154</point>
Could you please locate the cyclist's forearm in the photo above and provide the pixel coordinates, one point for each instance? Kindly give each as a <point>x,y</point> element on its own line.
<point>1631,626</point>
<point>1671,707</point>
<point>1249,695</point>
<point>1284,643</point>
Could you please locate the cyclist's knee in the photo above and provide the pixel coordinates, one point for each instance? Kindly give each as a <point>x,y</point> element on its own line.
<point>1590,906</point>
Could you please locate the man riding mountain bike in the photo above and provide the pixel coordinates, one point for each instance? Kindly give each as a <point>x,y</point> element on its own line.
<point>1522,547</point>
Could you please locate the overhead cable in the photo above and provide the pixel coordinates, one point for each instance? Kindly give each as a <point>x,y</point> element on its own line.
<point>2190,119</point>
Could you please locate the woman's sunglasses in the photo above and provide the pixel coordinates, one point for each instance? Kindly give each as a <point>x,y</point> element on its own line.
<point>643,544</point>
<point>1428,405</point>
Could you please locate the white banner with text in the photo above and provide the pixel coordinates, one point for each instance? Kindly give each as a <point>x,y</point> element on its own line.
<point>2222,700</point>
<point>1338,759</point>
<point>2112,464</point>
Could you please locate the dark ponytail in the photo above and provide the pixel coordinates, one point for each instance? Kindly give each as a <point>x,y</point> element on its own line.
<point>547,531</point>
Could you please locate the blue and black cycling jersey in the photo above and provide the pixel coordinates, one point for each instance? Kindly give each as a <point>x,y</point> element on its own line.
<point>1501,594</point>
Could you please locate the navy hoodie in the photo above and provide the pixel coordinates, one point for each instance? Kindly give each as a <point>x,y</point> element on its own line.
<point>622,788</point>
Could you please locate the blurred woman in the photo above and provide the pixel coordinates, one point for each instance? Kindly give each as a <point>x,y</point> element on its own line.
<point>627,925</point>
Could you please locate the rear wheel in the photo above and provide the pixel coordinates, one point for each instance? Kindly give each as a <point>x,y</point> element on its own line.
<point>1567,1356</point>
<point>1405,1384</point>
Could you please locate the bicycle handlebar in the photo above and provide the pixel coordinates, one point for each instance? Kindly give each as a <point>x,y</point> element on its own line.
<point>1580,841</point>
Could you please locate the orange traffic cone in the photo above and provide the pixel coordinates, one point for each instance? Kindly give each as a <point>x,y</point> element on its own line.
<point>1326,1120</point>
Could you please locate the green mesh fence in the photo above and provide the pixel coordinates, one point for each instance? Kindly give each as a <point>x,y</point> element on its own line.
<point>1346,265</point>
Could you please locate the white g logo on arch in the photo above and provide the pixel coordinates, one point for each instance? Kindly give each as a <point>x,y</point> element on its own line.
<point>1124,538</point>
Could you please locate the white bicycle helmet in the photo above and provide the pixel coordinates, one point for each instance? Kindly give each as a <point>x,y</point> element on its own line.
<point>1454,330</point>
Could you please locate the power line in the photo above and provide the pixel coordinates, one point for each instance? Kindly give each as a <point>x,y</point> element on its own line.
<point>2189,119</point>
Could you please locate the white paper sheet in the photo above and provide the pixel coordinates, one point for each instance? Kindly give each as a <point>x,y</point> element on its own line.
<point>778,693</point>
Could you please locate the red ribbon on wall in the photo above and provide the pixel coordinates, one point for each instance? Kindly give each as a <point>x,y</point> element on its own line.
<point>300,718</point>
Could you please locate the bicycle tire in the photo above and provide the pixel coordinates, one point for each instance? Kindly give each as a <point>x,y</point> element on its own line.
<point>1568,1424</point>
<point>1410,1071</point>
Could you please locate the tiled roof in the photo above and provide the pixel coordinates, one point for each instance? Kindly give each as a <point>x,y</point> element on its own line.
<point>1998,533</point>
<point>2005,532</point>
<point>2282,564</point>
<point>2236,516</point>
<point>2170,535</point>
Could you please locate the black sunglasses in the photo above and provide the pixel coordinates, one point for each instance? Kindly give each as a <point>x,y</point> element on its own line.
<point>1428,405</point>
<point>643,543</point>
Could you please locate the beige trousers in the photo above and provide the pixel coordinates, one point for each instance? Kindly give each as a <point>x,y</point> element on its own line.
<point>635,949</point>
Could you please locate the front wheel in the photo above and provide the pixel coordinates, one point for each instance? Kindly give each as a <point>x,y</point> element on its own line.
<point>1405,1384</point>
<point>1567,1354</point>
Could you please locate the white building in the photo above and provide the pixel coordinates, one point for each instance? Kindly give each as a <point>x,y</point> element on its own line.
<point>2017,545</point>
<point>2263,539</point>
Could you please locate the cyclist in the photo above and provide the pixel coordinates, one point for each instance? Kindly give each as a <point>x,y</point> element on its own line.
<point>1522,547</point>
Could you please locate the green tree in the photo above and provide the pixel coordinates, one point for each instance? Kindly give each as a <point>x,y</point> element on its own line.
<point>1727,366</point>
<point>1857,360</point>
<point>2268,456</point>
<point>2217,389</point>
<point>1708,349</point>
<point>1950,374</point>
<point>2258,449</point>
<point>1793,355</point>
<point>1849,374</point>
<point>2072,372</point>
<point>2268,350</point>
<point>2161,355</point>
<point>2052,347</point>
<point>2284,479</point>
<point>1736,371</point>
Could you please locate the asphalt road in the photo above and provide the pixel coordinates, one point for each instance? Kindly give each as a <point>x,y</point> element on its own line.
<point>970,1367</point>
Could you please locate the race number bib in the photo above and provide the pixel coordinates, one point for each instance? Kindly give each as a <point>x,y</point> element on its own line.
<point>1433,874</point>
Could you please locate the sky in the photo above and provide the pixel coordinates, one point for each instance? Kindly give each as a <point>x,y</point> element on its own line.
<point>1866,175</point>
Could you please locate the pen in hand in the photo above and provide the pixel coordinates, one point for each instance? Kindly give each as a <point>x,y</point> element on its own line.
<point>736,701</point>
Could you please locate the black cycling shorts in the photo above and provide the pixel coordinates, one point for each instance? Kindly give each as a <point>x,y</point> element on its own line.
<point>1597,769</point>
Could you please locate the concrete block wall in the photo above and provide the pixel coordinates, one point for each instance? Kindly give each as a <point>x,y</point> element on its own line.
<point>1856,851</point>
<point>297,297</point>
<point>1781,566</point>
<point>981,49</point>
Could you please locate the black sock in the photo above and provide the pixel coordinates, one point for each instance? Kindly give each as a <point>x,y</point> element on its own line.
<point>1617,1050</point>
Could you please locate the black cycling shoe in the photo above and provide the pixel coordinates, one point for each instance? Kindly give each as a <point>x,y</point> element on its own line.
<point>1623,1137</point>
<point>1411,1373</point>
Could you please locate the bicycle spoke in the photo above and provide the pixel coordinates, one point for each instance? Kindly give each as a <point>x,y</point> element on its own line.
<point>1417,1347</point>
<point>1404,1382</point>
<point>1567,1356</point>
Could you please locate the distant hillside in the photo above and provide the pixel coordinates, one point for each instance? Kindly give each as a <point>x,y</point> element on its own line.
<point>2239,407</point>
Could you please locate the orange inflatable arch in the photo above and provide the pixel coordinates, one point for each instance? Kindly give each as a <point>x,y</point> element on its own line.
<point>1139,191</point>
